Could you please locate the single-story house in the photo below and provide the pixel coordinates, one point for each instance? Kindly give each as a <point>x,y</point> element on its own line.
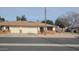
<point>75,28</point>
<point>26,27</point>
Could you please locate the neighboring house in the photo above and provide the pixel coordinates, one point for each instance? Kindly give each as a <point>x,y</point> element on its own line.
<point>26,27</point>
<point>75,28</point>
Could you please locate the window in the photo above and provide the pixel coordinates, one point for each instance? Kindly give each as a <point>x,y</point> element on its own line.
<point>49,28</point>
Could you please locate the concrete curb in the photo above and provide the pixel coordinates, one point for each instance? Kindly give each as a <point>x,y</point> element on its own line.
<point>56,45</point>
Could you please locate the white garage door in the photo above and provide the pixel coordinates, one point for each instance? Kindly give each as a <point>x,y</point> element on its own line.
<point>30,30</point>
<point>24,30</point>
<point>14,30</point>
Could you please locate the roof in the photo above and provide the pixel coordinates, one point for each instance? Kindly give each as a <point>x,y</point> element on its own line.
<point>75,25</point>
<point>24,23</point>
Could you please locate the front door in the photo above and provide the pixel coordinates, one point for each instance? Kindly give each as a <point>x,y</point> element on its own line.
<point>41,29</point>
<point>20,31</point>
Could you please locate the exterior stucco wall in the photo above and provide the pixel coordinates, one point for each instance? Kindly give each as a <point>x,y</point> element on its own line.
<point>14,29</point>
<point>24,30</point>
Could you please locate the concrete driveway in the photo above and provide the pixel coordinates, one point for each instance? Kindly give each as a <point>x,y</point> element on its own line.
<point>55,35</point>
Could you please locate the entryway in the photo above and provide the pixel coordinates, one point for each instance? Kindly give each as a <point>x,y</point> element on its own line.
<point>41,30</point>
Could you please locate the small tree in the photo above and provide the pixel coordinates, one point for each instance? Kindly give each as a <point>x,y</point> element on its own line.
<point>18,18</point>
<point>2,19</point>
<point>48,22</point>
<point>22,18</point>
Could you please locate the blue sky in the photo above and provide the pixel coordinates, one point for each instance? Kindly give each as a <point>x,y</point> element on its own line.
<point>35,13</point>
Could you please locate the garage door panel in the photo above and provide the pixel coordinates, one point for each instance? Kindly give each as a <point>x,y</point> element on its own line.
<point>23,30</point>
<point>14,30</point>
<point>29,30</point>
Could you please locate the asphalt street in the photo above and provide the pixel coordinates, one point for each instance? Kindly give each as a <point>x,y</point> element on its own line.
<point>38,40</point>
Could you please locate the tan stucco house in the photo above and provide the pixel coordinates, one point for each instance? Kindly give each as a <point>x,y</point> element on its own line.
<point>26,27</point>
